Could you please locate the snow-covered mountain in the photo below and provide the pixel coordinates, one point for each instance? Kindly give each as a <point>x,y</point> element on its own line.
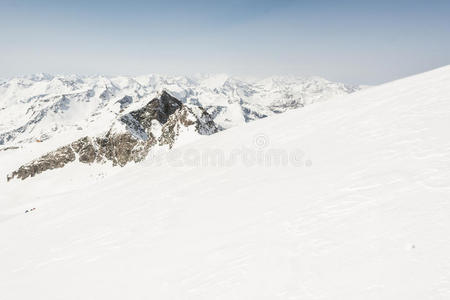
<point>344,199</point>
<point>42,106</point>
<point>161,122</point>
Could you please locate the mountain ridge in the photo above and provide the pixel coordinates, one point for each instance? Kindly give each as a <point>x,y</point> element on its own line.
<point>41,106</point>
<point>129,138</point>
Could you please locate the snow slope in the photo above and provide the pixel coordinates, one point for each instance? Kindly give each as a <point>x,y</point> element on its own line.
<point>359,210</point>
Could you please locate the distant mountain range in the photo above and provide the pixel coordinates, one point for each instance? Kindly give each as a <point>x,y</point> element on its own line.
<point>121,119</point>
<point>42,106</point>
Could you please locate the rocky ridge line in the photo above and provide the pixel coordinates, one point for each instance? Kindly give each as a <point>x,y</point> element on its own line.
<point>129,139</point>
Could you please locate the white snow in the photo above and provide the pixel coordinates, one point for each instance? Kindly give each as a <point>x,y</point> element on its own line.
<point>360,210</point>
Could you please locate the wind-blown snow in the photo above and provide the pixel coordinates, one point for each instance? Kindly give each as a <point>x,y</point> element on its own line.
<point>358,211</point>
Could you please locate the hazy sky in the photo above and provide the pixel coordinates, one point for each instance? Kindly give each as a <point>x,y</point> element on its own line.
<point>365,42</point>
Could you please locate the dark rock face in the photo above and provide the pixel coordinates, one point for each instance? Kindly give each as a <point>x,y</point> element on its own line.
<point>250,114</point>
<point>125,102</point>
<point>131,145</point>
<point>53,160</point>
<point>158,109</point>
<point>9,148</point>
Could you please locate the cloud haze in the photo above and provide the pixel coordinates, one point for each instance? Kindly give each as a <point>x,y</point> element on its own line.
<point>351,41</point>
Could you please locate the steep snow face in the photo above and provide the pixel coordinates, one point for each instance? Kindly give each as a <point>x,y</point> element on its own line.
<point>356,207</point>
<point>40,107</point>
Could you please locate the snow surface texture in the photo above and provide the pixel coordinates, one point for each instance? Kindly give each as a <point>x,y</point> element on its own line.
<point>40,107</point>
<point>358,210</point>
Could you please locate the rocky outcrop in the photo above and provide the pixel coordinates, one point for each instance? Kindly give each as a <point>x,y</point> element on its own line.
<point>279,107</point>
<point>9,148</point>
<point>129,139</point>
<point>125,102</point>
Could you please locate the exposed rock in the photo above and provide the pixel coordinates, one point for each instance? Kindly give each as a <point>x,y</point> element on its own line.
<point>52,160</point>
<point>125,102</point>
<point>159,108</point>
<point>283,106</point>
<point>9,148</point>
<point>171,129</point>
<point>160,122</point>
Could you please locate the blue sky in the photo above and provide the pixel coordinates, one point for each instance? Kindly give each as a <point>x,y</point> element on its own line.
<point>366,42</point>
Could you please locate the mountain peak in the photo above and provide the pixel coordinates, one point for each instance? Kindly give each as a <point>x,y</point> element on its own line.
<point>160,122</point>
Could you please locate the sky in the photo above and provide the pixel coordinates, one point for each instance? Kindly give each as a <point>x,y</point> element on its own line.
<point>357,42</point>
